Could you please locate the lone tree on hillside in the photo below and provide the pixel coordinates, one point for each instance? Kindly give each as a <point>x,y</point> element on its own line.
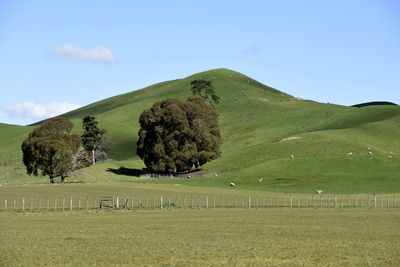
<point>94,140</point>
<point>177,136</point>
<point>204,89</point>
<point>51,149</point>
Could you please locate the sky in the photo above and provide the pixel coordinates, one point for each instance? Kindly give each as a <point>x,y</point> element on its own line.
<point>56,56</point>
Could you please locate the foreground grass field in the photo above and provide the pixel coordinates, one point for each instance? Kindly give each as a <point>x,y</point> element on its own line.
<point>227,237</point>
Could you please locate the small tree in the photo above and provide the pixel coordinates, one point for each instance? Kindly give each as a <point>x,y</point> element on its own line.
<point>94,140</point>
<point>204,89</point>
<point>177,136</point>
<point>50,149</point>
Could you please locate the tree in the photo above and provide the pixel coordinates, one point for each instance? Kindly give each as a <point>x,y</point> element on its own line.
<point>177,136</point>
<point>204,89</point>
<point>50,149</point>
<point>94,140</point>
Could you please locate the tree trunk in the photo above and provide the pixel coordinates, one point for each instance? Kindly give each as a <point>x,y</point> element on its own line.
<point>62,179</point>
<point>93,159</point>
<point>51,180</point>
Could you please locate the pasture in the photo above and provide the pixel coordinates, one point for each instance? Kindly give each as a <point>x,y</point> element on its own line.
<point>216,237</point>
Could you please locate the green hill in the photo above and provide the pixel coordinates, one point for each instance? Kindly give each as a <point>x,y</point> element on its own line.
<point>261,128</point>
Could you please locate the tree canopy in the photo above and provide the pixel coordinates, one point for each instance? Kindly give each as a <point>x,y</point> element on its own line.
<point>177,136</point>
<point>94,140</point>
<point>50,149</point>
<point>204,89</point>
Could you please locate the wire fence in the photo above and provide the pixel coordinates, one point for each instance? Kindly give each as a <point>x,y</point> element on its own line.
<point>65,203</point>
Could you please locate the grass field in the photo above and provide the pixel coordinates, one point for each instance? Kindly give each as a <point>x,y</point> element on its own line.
<point>227,237</point>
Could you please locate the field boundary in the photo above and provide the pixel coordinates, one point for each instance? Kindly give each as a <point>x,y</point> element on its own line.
<point>200,201</point>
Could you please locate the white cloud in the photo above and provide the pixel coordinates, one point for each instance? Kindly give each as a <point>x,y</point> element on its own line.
<point>95,54</point>
<point>39,111</point>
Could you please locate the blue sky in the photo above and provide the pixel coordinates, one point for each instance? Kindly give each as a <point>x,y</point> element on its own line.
<point>59,55</point>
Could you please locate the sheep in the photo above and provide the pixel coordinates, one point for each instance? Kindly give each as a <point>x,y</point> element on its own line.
<point>232,184</point>
<point>291,156</point>
<point>260,180</point>
<point>350,154</point>
<point>319,192</point>
<point>390,156</point>
<point>215,175</point>
<point>369,153</point>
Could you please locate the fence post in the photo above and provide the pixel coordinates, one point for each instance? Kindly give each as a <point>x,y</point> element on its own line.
<point>206,202</point>
<point>362,201</point>
<point>161,202</point>
<point>23,204</point>
<point>375,201</point>
<point>335,202</point>
<point>48,204</point>
<point>298,201</point>
<point>291,202</point>
<point>63,203</point>
<point>40,204</point>
<point>31,204</point>
<point>270,201</point>
<point>184,202</point>
<point>235,201</point>
<point>87,203</point>
<point>79,203</point>
<point>284,201</point>
<point>214,202</point>
<point>5,204</point>
<point>55,204</point>
<point>249,201</point>
<point>263,202</point>
<point>256,202</point>
<point>192,202</point>
<point>393,202</point>
<point>356,201</point>
<point>147,202</point>
<point>15,203</point>
<point>70,204</point>
<point>369,199</point>
<point>198,201</point>
<point>242,202</point>
<point>154,202</point>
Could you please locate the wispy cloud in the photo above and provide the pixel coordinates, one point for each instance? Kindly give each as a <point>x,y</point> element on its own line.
<point>39,111</point>
<point>252,50</point>
<point>95,54</point>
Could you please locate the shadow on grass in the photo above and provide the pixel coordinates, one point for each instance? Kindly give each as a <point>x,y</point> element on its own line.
<point>127,171</point>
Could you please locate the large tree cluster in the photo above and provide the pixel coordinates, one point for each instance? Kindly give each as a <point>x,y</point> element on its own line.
<point>51,148</point>
<point>177,136</point>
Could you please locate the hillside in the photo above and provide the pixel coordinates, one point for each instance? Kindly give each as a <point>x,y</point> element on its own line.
<point>261,127</point>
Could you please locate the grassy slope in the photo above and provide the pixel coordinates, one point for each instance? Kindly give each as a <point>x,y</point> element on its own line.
<point>253,117</point>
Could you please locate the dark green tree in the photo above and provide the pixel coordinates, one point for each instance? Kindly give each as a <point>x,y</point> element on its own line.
<point>94,140</point>
<point>177,136</point>
<point>204,89</point>
<point>50,149</point>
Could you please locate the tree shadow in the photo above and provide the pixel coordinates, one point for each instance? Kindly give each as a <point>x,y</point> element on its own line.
<point>127,171</point>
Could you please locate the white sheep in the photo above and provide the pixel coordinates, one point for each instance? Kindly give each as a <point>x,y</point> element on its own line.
<point>319,192</point>
<point>291,156</point>
<point>260,180</point>
<point>232,184</point>
<point>215,175</point>
<point>369,153</point>
<point>350,154</point>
